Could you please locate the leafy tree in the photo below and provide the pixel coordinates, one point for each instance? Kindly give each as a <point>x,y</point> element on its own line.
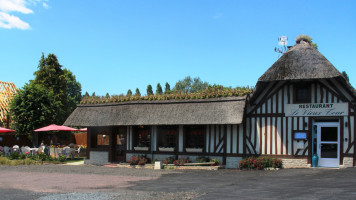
<point>149,90</point>
<point>33,107</point>
<point>190,85</point>
<point>344,74</point>
<point>74,90</point>
<point>167,88</point>
<point>93,94</point>
<point>137,92</point>
<point>129,93</point>
<point>159,89</point>
<point>86,94</point>
<point>107,95</point>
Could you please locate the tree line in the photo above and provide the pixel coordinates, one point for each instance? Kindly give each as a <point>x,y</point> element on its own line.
<point>186,85</point>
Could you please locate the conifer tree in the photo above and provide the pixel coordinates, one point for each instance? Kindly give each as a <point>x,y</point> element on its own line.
<point>159,89</point>
<point>149,90</point>
<point>137,92</point>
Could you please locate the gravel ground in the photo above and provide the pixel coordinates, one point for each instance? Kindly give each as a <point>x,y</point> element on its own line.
<point>95,182</point>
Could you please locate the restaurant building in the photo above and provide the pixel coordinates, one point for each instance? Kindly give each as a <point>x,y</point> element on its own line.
<point>302,105</point>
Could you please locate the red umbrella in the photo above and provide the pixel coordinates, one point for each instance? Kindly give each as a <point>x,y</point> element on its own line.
<point>4,130</point>
<point>83,129</point>
<point>54,127</point>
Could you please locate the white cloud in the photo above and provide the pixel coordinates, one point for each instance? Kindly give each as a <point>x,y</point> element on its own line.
<point>45,5</point>
<point>10,21</point>
<point>14,6</point>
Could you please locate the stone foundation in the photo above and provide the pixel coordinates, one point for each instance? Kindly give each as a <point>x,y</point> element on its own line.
<point>232,162</point>
<point>98,158</point>
<point>348,162</point>
<point>295,163</point>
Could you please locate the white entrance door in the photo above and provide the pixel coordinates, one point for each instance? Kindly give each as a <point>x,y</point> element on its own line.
<point>328,144</point>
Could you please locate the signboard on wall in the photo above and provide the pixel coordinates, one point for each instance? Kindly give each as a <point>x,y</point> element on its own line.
<point>316,109</point>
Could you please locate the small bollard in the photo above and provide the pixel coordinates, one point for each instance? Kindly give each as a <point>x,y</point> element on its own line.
<point>158,165</point>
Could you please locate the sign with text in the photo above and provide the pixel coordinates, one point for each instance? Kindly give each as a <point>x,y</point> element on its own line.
<point>316,109</point>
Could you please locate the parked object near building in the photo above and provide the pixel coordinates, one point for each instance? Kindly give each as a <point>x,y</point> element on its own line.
<point>301,106</point>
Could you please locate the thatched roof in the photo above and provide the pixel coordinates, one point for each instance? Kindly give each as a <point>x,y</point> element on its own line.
<point>300,62</point>
<point>227,110</point>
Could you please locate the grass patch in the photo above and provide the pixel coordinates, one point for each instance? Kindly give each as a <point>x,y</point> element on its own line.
<point>35,161</point>
<point>27,161</point>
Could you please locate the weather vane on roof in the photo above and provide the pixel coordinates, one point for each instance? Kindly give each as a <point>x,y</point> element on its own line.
<point>282,43</point>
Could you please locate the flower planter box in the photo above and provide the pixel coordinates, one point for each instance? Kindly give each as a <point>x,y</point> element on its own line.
<point>141,148</point>
<point>194,150</point>
<point>170,149</point>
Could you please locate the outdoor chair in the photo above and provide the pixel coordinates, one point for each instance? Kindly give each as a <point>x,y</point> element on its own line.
<point>26,149</point>
<point>23,150</point>
<point>47,150</point>
<point>16,148</point>
<point>68,152</point>
<point>77,152</point>
<point>7,150</point>
<point>40,149</point>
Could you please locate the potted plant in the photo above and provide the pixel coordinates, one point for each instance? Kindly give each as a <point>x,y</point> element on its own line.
<point>215,162</point>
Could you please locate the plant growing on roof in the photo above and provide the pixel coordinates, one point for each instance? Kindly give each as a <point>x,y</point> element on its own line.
<point>306,38</point>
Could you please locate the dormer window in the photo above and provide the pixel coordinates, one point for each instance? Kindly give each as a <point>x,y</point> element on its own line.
<point>302,93</point>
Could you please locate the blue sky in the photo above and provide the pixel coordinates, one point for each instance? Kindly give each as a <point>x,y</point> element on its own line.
<point>113,45</point>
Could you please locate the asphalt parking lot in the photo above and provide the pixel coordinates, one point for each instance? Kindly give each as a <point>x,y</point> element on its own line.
<point>94,182</point>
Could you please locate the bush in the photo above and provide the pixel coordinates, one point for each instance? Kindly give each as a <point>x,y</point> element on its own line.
<point>42,157</point>
<point>181,161</point>
<point>14,156</point>
<point>260,163</point>
<point>22,156</point>
<point>168,160</point>
<point>142,161</point>
<point>138,160</point>
<point>62,158</point>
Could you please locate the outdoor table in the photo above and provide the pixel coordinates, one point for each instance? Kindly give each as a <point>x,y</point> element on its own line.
<point>33,150</point>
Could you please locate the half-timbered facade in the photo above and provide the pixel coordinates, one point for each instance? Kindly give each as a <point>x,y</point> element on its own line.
<point>301,106</point>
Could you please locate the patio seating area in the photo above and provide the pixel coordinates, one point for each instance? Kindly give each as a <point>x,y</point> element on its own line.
<point>70,152</point>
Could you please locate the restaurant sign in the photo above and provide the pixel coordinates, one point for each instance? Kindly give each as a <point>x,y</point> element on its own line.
<point>316,109</point>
